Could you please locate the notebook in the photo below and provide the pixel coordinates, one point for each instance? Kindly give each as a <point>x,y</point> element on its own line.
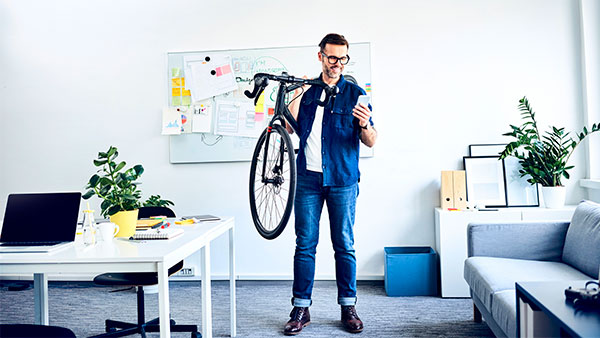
<point>167,233</point>
<point>42,222</point>
<point>202,218</point>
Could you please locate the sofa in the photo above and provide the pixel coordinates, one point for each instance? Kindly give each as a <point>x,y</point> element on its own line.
<point>501,254</point>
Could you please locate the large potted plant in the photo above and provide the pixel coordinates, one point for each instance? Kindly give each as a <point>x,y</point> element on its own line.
<point>117,187</point>
<point>544,158</point>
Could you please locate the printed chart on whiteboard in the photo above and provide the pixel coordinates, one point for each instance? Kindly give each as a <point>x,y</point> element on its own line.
<point>208,117</point>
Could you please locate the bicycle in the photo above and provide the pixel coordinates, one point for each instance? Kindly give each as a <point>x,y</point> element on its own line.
<point>273,167</point>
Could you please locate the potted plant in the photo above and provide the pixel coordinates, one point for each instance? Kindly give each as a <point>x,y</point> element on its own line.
<point>544,158</point>
<point>117,187</point>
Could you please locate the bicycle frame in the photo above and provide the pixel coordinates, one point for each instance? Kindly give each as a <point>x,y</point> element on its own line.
<point>282,113</point>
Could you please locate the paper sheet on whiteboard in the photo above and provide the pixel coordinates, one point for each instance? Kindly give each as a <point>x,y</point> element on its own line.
<point>209,75</point>
<point>202,117</point>
<point>234,118</point>
<point>171,121</point>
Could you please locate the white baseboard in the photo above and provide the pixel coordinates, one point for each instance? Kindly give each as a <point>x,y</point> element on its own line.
<point>266,277</point>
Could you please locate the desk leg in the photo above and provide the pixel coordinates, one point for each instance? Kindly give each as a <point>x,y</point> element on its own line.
<point>40,290</point>
<point>206,297</point>
<point>232,312</point>
<point>163,300</point>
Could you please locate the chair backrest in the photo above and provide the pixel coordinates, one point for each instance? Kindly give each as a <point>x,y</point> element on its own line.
<point>32,331</point>
<point>145,212</point>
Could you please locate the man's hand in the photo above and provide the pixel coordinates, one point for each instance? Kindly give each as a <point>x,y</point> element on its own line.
<point>368,134</point>
<point>362,113</point>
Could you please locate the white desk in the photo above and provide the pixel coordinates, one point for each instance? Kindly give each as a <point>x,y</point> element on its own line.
<point>132,256</point>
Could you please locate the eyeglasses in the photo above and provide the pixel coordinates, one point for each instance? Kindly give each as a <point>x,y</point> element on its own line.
<point>334,59</point>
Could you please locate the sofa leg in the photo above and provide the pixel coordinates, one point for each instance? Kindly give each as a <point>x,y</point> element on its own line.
<point>476,314</point>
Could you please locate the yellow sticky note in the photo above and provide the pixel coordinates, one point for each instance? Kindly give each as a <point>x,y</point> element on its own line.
<point>176,101</point>
<point>177,82</point>
<point>260,104</point>
<point>186,100</point>
<point>186,93</point>
<point>176,92</point>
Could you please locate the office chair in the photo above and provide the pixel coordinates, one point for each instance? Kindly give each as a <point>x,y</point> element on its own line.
<point>116,328</point>
<point>32,331</point>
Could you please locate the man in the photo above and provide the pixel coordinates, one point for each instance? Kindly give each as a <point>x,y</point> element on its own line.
<point>328,173</point>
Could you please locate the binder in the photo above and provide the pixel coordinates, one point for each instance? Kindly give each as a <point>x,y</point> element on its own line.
<point>447,190</point>
<point>459,183</point>
<point>453,189</point>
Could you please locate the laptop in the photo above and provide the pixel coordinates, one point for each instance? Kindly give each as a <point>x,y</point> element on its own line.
<point>43,222</point>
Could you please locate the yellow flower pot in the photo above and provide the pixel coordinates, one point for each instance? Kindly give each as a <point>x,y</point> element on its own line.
<point>126,220</point>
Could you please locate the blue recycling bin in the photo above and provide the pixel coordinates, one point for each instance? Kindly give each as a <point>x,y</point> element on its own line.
<point>411,271</point>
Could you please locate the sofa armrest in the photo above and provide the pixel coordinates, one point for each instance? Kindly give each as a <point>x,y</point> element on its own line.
<point>522,240</point>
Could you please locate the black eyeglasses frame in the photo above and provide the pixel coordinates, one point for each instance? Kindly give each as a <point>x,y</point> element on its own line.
<point>336,59</point>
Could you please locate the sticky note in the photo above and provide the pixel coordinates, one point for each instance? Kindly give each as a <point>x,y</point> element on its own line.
<point>176,92</point>
<point>177,82</point>
<point>175,72</point>
<point>260,104</point>
<point>259,117</point>
<point>186,92</point>
<point>271,111</point>
<point>176,101</point>
<point>186,100</point>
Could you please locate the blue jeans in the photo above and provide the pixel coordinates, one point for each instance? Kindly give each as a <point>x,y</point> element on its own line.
<point>341,202</point>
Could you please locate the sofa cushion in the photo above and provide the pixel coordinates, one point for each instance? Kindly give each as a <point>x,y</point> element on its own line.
<point>486,275</point>
<point>504,311</point>
<point>582,244</point>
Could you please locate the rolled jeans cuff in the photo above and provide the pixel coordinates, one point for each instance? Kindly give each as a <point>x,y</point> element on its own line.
<point>347,301</point>
<point>299,302</point>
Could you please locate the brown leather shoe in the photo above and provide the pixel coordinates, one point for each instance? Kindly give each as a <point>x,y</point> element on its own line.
<point>299,318</point>
<point>350,320</point>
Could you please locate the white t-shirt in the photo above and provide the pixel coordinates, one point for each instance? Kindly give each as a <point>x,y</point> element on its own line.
<point>312,151</point>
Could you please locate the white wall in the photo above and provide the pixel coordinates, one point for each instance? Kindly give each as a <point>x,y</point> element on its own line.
<point>79,76</point>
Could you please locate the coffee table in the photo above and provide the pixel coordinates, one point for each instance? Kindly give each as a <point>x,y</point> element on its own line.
<point>543,311</point>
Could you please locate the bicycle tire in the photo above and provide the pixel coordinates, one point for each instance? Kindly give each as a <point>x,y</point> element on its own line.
<point>266,199</point>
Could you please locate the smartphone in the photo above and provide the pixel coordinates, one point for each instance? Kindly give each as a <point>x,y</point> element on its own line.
<point>364,99</point>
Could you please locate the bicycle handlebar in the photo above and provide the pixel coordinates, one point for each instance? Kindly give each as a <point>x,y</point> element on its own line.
<point>261,81</point>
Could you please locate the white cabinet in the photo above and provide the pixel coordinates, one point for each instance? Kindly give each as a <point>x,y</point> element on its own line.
<point>451,238</point>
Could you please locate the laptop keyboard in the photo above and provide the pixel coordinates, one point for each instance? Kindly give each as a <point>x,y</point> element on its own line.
<point>30,243</point>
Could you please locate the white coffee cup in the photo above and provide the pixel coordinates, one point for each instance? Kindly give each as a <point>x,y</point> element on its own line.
<point>108,231</point>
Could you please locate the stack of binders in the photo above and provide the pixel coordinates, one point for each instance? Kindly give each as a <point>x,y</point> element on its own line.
<point>453,191</point>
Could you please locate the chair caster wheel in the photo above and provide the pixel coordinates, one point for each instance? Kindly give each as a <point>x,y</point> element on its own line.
<point>196,335</point>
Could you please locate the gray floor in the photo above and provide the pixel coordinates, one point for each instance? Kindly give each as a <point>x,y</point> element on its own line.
<point>263,308</point>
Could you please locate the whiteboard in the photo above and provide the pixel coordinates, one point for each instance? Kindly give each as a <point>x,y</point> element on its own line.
<point>296,61</point>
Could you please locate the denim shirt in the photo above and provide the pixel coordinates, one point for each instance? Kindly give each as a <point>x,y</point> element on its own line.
<point>340,138</point>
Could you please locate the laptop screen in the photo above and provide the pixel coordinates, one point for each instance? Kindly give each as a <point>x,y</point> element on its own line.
<point>41,217</point>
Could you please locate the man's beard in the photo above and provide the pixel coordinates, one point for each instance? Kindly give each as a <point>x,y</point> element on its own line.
<point>331,74</point>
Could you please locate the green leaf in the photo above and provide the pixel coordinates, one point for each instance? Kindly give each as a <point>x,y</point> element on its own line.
<point>112,151</point>
<point>105,181</point>
<point>113,210</point>
<point>120,166</point>
<point>99,163</point>
<point>88,194</point>
<point>93,181</point>
<point>138,169</point>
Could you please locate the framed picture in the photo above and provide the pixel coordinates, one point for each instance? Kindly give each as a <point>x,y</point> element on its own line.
<point>486,149</point>
<point>519,192</point>
<point>485,180</point>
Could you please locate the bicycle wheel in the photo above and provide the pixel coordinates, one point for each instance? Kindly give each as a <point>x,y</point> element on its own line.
<point>272,198</point>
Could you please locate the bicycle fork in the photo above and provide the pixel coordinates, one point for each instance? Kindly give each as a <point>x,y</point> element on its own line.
<point>277,179</point>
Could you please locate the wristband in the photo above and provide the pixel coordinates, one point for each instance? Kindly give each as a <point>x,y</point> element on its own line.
<point>365,127</point>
